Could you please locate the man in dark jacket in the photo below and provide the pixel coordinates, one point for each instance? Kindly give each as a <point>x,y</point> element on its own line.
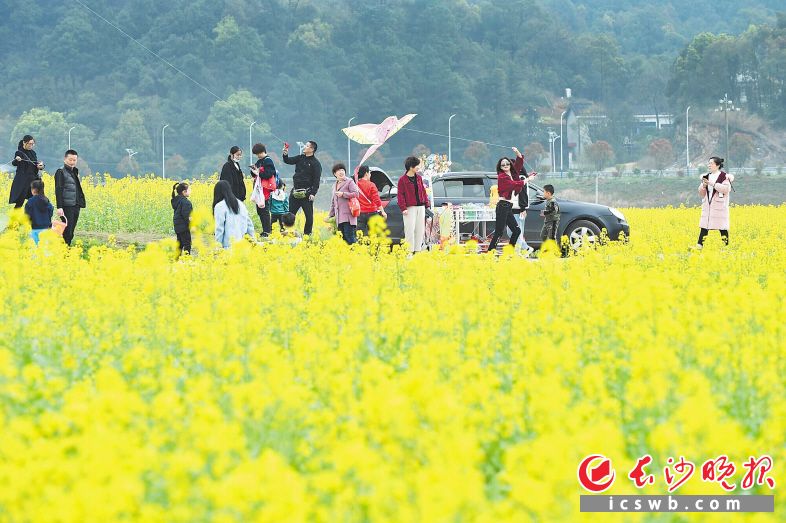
<point>265,169</point>
<point>68,193</point>
<point>305,182</point>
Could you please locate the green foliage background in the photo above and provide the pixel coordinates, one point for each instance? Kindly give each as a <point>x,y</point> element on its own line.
<point>302,68</point>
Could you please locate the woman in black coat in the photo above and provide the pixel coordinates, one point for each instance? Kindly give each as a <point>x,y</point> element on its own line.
<point>27,168</point>
<point>232,173</point>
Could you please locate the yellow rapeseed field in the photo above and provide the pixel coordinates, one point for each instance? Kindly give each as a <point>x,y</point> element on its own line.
<point>327,383</point>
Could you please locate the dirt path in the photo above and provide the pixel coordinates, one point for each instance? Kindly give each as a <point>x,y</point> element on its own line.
<point>122,239</point>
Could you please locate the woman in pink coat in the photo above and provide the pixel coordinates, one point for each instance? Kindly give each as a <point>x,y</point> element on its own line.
<point>344,190</point>
<point>714,191</point>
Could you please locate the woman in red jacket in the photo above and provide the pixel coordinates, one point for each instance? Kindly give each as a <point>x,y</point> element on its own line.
<point>370,202</point>
<point>413,200</point>
<point>508,182</point>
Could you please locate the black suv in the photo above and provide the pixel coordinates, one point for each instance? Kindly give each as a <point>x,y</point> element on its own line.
<point>579,221</point>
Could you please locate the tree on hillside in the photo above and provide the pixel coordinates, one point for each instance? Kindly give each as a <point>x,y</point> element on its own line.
<point>131,133</point>
<point>661,152</point>
<point>600,154</point>
<point>49,128</point>
<point>228,121</point>
<point>176,166</point>
<point>476,155</point>
<point>741,148</point>
<point>420,150</point>
<point>534,153</point>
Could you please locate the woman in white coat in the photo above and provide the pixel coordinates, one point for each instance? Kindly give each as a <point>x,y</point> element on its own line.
<point>231,216</point>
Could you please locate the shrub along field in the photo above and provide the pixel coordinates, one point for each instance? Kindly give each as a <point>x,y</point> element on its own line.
<point>328,383</point>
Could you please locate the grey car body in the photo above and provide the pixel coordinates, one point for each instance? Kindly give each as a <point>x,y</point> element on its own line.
<point>580,221</point>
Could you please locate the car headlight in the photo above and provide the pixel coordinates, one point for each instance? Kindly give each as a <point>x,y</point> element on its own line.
<point>616,213</point>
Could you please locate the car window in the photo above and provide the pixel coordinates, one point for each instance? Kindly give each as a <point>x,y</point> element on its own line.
<point>454,188</point>
<point>473,188</point>
<point>458,188</point>
<point>439,189</point>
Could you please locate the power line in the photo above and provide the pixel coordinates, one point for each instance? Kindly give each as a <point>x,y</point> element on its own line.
<point>464,140</point>
<point>167,62</point>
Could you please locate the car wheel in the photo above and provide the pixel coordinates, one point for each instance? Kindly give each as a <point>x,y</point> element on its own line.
<point>582,231</point>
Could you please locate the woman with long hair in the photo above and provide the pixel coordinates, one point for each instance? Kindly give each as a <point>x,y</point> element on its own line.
<point>27,171</point>
<point>508,182</point>
<point>232,173</point>
<point>231,216</point>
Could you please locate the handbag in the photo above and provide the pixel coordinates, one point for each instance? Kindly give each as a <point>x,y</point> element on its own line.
<point>299,194</point>
<point>59,226</point>
<point>269,184</point>
<point>257,195</point>
<point>354,207</point>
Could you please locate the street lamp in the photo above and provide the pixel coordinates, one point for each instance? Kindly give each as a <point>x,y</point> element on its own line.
<point>69,136</point>
<point>450,144</point>
<point>687,141</point>
<point>726,105</point>
<point>250,139</point>
<point>560,143</point>
<point>553,137</point>
<point>163,151</point>
<point>349,145</point>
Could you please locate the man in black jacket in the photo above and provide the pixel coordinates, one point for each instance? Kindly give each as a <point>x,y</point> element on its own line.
<point>68,193</point>
<point>305,182</point>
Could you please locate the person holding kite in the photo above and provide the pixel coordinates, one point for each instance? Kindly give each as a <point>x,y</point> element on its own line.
<point>27,171</point>
<point>508,182</point>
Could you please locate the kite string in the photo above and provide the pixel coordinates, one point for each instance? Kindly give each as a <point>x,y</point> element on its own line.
<point>464,140</point>
<point>457,138</point>
<point>217,97</point>
<point>140,44</point>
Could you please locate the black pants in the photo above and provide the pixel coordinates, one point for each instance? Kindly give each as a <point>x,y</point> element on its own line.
<point>72,215</point>
<point>307,205</point>
<point>264,217</point>
<point>184,239</point>
<point>505,218</point>
<point>723,232</point>
<point>19,202</point>
<point>276,218</point>
<point>348,232</point>
<point>363,221</point>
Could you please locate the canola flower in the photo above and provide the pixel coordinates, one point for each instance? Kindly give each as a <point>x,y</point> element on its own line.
<point>329,383</point>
